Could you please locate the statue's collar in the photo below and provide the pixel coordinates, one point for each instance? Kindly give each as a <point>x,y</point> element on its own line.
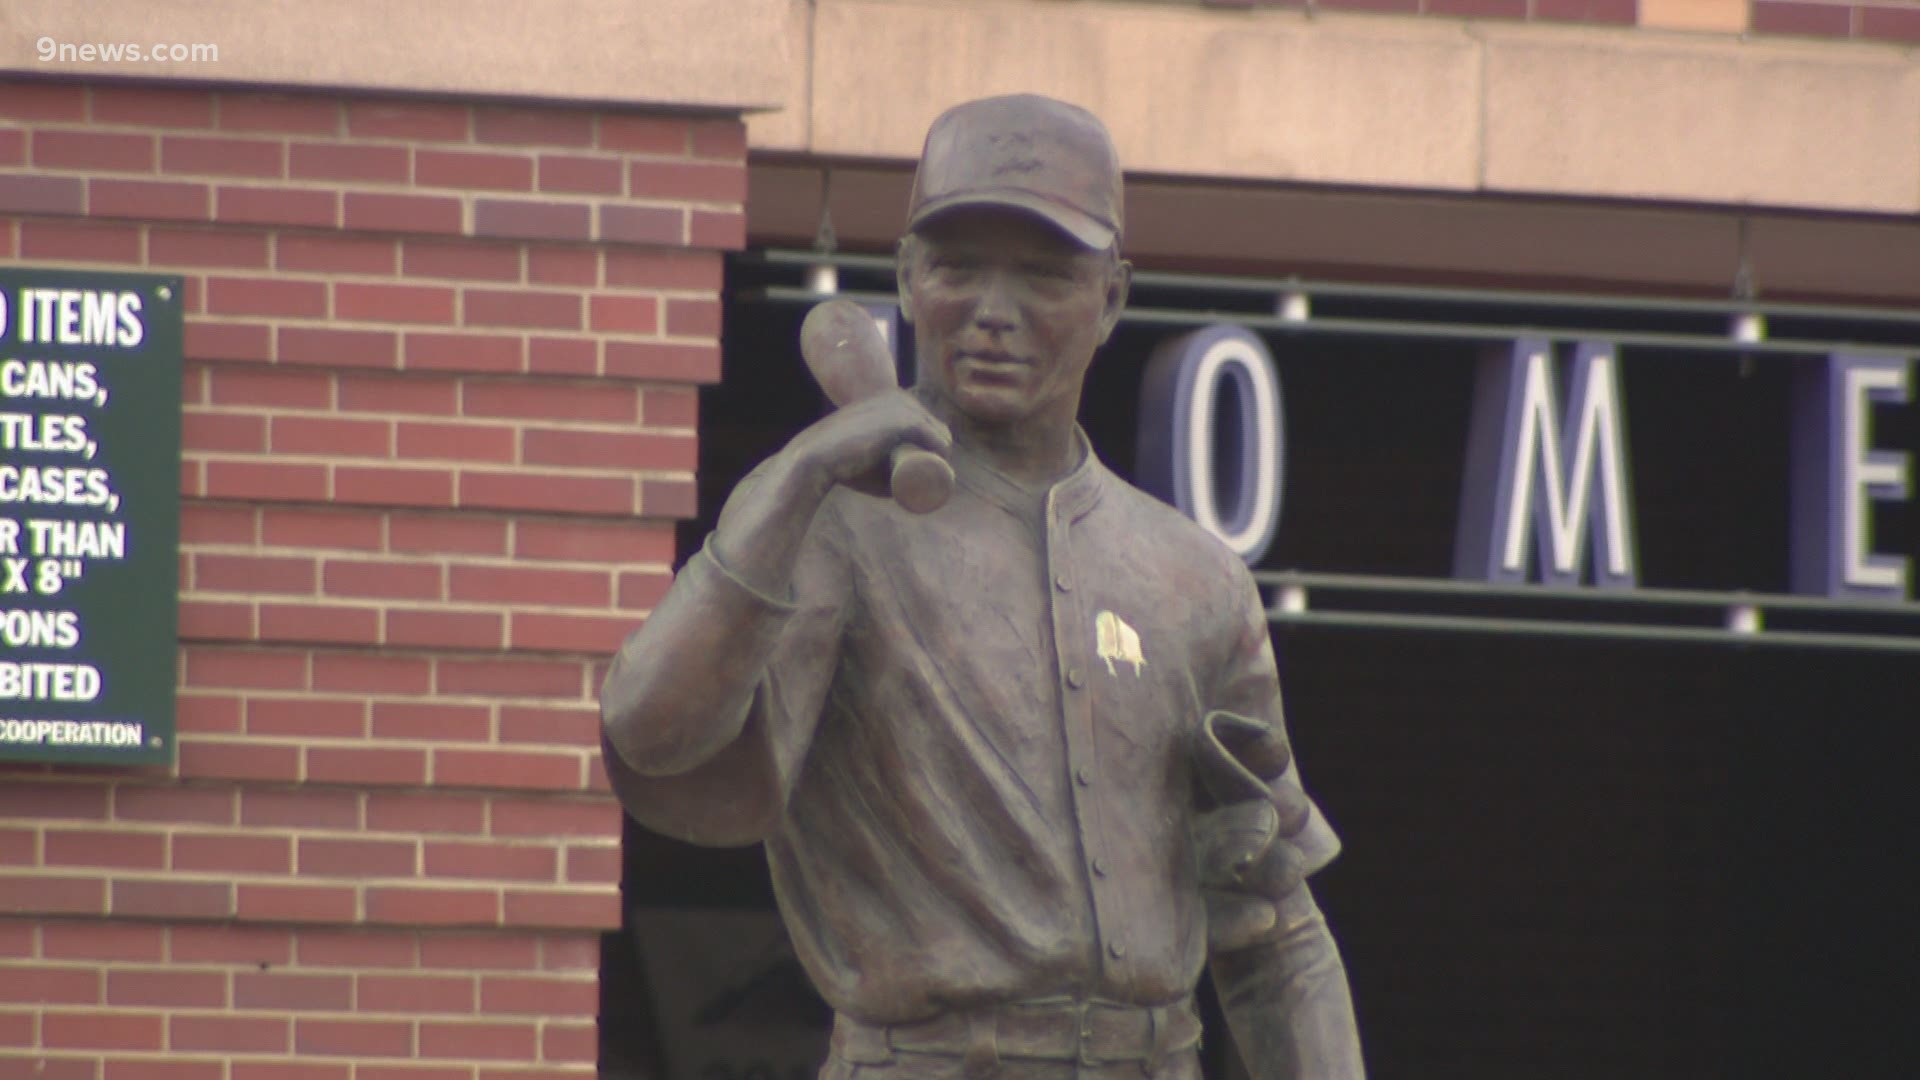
<point>1069,497</point>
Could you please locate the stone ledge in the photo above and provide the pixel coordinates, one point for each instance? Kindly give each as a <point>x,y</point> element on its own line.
<point>661,52</point>
<point>1424,104</point>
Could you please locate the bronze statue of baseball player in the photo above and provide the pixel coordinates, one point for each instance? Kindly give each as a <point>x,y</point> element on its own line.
<point>1018,761</point>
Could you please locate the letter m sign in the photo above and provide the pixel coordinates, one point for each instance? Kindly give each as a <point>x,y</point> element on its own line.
<point>1536,473</point>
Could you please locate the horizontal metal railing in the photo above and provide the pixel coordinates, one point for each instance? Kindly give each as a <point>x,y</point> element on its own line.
<point>1694,616</point>
<point>1287,305</point>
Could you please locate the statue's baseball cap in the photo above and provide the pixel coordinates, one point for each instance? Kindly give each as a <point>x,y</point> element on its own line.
<point>1023,152</point>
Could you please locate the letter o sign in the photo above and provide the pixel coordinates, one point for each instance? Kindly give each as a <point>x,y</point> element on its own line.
<point>1212,437</point>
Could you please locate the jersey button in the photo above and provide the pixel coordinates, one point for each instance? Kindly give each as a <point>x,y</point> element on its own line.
<point>1075,679</point>
<point>1084,775</point>
<point>1116,950</point>
<point>1061,582</point>
<point>1099,867</point>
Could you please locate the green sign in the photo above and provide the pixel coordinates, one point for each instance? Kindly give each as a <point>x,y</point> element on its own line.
<point>89,514</point>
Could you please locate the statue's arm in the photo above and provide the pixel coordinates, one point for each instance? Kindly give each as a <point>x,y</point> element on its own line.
<point>1275,965</point>
<point>679,689</point>
<point>1287,1002</point>
<point>707,707</point>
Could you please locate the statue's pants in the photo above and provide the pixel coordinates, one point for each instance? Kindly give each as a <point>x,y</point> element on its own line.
<point>1058,1038</point>
<point>1183,1065</point>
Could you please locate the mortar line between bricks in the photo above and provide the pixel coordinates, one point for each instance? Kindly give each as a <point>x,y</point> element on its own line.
<point>309,322</point>
<point>309,185</point>
<point>429,420</point>
<point>482,419</point>
<point>411,560</point>
<point>412,879</point>
<point>399,653</point>
<point>392,654</point>
<point>322,322</point>
<point>572,704</point>
<point>286,144</point>
<point>530,622</point>
<point>385,555</point>
<point>417,603</point>
<point>323,832</point>
<point>489,706</point>
<point>268,411</point>
<point>457,468</point>
<point>408,605</point>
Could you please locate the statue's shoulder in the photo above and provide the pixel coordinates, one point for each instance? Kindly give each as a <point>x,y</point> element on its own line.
<point>1175,536</point>
<point>1199,582</point>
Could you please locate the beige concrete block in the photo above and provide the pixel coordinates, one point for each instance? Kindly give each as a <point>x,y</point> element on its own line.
<point>1770,123</point>
<point>788,127</point>
<point>682,52</point>
<point>1187,91</point>
<point>1717,16</point>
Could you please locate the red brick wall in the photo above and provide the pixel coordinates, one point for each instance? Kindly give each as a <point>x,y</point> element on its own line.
<point>439,418</point>
<point>1897,22</point>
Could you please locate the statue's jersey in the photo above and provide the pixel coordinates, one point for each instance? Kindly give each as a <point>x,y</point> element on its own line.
<point>970,756</point>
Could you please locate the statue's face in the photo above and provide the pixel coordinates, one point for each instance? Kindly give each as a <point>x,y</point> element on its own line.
<point>1007,312</point>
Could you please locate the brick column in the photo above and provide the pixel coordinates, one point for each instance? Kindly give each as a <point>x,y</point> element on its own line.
<point>439,418</point>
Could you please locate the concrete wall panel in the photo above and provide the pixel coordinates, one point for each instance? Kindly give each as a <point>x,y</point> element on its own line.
<point>1433,104</point>
<point>1780,125</point>
<point>1265,95</point>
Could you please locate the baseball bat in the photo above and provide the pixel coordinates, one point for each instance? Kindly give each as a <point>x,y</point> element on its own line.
<point>851,362</point>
